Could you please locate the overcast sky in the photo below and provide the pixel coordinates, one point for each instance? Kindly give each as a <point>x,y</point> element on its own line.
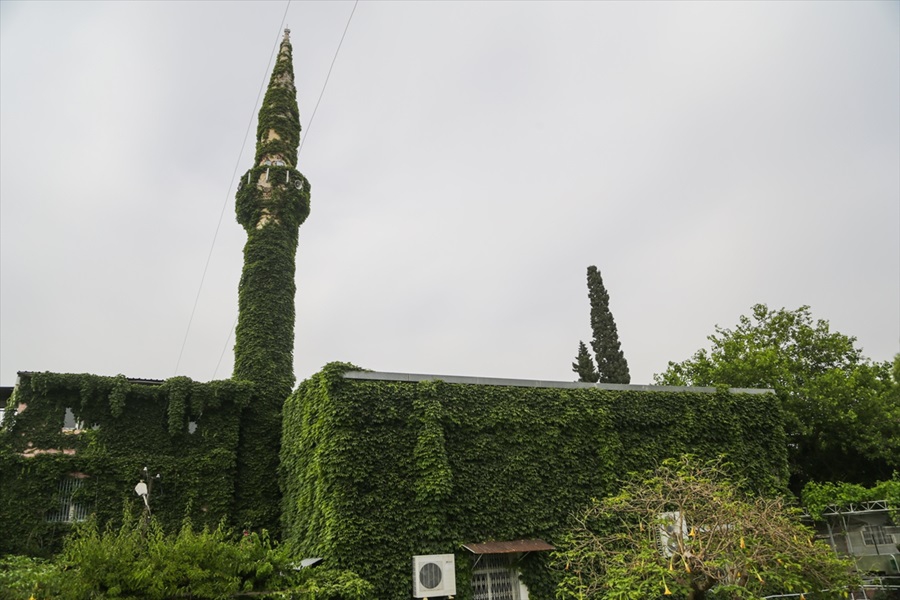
<point>468,161</point>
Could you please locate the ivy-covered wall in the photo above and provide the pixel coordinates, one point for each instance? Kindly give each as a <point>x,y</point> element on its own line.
<point>377,471</point>
<point>128,425</point>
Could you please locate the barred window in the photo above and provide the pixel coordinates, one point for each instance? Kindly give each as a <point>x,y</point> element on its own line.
<point>876,534</point>
<point>495,578</point>
<point>69,510</point>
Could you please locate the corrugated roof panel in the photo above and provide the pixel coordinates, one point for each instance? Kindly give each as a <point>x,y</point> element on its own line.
<point>508,547</point>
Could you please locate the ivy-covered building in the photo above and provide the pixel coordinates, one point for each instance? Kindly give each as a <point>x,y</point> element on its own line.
<point>366,470</point>
<point>72,445</point>
<point>380,467</point>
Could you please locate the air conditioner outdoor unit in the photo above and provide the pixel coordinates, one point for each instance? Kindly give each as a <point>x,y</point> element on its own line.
<point>434,576</point>
<point>672,531</point>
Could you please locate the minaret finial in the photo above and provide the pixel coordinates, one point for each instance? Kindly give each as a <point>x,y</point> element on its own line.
<point>287,34</point>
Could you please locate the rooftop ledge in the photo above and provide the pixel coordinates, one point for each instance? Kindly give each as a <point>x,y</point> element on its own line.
<point>536,383</point>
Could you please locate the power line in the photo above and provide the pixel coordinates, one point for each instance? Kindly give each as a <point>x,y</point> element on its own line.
<point>327,77</point>
<point>300,149</point>
<point>228,193</point>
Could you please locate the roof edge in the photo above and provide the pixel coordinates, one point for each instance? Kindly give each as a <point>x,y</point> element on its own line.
<point>137,380</point>
<point>537,383</point>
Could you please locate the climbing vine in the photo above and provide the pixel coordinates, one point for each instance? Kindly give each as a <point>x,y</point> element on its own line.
<point>817,497</point>
<point>117,395</point>
<point>123,426</point>
<point>287,202</point>
<point>435,479</point>
<point>279,112</point>
<point>272,202</point>
<point>375,472</point>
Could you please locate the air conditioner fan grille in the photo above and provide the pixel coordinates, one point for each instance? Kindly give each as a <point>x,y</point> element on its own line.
<point>430,575</point>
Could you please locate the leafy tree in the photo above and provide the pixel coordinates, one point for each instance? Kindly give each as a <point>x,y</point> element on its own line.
<point>842,412</point>
<point>685,530</point>
<point>584,365</point>
<point>611,364</point>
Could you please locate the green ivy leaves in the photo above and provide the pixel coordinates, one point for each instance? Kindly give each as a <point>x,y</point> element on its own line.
<point>435,480</point>
<point>130,425</point>
<point>393,469</point>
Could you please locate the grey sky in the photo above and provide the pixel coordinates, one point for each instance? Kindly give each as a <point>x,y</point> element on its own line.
<point>468,162</point>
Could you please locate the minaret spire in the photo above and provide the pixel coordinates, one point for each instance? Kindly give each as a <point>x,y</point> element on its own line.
<point>278,129</point>
<point>272,203</point>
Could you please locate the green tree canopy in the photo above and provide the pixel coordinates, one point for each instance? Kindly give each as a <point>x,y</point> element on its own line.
<point>611,364</point>
<point>688,531</point>
<point>842,411</point>
<point>584,365</point>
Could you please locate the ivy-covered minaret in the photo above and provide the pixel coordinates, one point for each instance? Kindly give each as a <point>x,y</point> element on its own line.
<point>272,203</point>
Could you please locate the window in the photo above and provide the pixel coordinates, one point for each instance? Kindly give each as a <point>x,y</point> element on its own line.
<point>495,578</point>
<point>69,510</point>
<point>70,423</point>
<point>876,534</point>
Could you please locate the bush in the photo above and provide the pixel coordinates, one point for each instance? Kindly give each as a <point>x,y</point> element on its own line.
<point>687,530</point>
<point>139,561</point>
<point>19,575</point>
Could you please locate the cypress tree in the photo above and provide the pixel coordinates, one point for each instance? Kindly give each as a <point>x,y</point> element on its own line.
<point>611,364</point>
<point>272,203</point>
<point>584,365</point>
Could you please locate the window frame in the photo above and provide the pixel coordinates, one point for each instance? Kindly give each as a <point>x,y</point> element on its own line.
<point>69,509</point>
<point>876,535</point>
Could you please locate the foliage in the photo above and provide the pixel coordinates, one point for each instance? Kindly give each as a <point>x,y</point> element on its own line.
<point>816,497</point>
<point>20,576</point>
<point>271,203</point>
<point>584,365</point>
<point>331,584</point>
<point>139,560</point>
<point>842,412</point>
<point>279,111</point>
<point>375,472</point>
<point>109,454</point>
<point>719,538</point>
<point>435,479</point>
<point>611,364</point>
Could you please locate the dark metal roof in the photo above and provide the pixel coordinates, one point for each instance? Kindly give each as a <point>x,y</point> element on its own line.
<point>508,547</point>
<point>534,383</point>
